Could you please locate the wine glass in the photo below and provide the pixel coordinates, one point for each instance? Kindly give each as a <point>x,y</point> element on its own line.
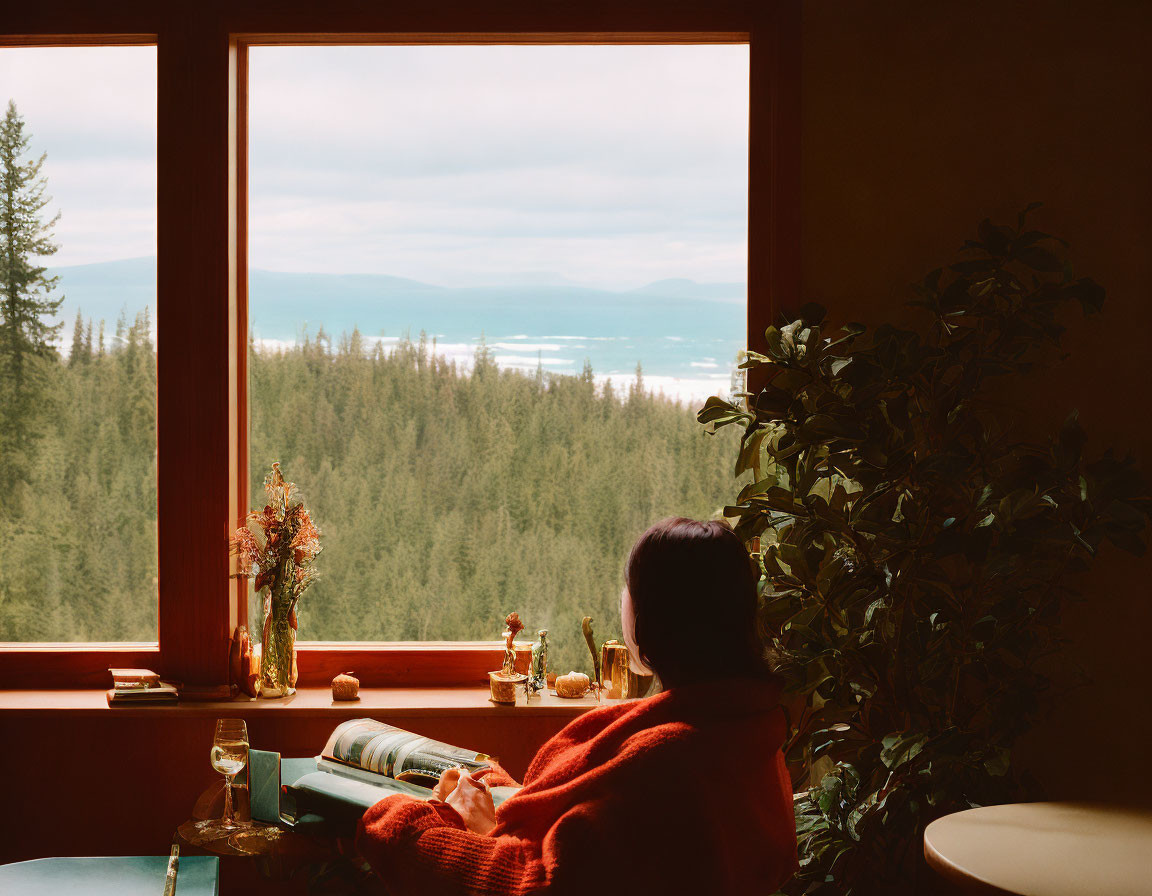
<point>229,757</point>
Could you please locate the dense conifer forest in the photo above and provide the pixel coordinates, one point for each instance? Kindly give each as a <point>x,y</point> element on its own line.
<point>449,498</point>
<point>446,497</point>
<point>78,522</point>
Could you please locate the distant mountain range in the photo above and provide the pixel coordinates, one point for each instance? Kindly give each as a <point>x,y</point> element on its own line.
<point>281,304</point>
<point>685,334</point>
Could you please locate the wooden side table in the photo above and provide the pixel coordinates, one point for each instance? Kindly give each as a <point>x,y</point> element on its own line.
<point>276,853</point>
<point>1044,849</point>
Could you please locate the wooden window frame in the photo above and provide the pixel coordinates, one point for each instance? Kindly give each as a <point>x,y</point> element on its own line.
<point>201,289</point>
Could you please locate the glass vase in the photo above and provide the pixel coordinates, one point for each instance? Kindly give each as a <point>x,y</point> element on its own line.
<point>278,648</point>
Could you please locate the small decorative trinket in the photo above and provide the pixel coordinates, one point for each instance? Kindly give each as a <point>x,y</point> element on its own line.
<point>586,627</point>
<point>504,681</point>
<point>538,667</point>
<point>614,666</point>
<point>345,687</point>
<point>574,684</point>
<point>242,668</point>
<point>236,654</point>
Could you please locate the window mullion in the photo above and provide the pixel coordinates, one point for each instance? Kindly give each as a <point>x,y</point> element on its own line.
<point>193,418</point>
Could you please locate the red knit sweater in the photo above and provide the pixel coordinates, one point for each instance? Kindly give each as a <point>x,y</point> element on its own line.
<point>682,792</point>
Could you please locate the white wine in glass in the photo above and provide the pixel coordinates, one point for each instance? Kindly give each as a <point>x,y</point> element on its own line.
<point>229,757</point>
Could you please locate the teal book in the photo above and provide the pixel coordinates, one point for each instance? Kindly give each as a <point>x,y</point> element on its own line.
<point>264,774</point>
<point>344,799</point>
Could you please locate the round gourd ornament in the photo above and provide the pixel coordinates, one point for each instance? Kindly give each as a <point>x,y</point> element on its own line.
<point>574,684</point>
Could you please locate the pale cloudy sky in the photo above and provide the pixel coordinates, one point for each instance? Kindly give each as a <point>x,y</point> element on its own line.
<point>93,110</point>
<point>612,166</point>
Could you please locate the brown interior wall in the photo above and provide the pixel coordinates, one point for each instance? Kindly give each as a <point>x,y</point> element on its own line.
<point>922,118</point>
<point>919,118</point>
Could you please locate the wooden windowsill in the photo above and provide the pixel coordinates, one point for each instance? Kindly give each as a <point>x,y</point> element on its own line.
<point>378,664</point>
<point>395,703</point>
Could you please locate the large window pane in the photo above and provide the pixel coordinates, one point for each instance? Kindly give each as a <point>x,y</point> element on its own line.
<point>77,357</point>
<point>489,286</point>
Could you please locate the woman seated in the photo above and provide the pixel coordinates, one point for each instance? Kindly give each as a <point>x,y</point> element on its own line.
<point>681,792</point>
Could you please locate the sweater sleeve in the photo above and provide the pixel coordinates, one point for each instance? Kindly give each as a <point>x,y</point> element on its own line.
<point>424,848</point>
<point>498,777</point>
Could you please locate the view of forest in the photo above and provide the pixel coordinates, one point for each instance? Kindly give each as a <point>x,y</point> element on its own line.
<point>446,497</point>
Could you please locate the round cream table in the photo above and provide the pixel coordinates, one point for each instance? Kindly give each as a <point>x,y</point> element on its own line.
<point>1044,849</point>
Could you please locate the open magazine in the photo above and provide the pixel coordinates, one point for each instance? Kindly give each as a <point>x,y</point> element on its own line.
<point>375,748</point>
<point>364,761</point>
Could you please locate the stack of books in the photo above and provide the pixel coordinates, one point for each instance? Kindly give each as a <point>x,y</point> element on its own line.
<point>140,686</point>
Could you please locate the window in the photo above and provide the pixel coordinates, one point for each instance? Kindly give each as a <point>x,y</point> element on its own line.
<point>488,288</point>
<point>202,227</point>
<point>77,344</point>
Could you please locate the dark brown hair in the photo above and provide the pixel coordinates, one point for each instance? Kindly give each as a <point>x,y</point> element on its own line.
<point>693,591</point>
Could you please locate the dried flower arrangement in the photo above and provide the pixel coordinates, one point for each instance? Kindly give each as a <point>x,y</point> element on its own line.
<point>278,547</point>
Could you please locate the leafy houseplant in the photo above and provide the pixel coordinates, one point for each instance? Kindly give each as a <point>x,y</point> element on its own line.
<point>914,554</point>
<point>278,547</point>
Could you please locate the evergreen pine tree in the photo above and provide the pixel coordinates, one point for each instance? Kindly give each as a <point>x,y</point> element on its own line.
<point>25,295</point>
<point>636,391</point>
<point>75,356</point>
<point>483,359</point>
<point>120,337</point>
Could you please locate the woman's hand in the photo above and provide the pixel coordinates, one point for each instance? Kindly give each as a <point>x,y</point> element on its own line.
<point>470,797</point>
<point>446,784</point>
